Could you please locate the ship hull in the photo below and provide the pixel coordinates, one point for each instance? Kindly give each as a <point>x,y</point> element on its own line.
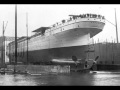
<point>60,46</point>
<point>47,55</point>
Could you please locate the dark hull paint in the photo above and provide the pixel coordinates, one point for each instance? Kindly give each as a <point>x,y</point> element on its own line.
<point>47,55</point>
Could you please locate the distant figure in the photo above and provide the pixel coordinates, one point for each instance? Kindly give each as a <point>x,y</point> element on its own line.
<point>87,15</point>
<point>74,17</point>
<point>103,17</point>
<point>70,18</point>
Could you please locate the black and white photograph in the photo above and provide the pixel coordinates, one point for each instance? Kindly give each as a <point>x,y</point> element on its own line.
<point>59,45</point>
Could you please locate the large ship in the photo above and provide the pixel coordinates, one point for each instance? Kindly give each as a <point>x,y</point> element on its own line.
<point>64,42</point>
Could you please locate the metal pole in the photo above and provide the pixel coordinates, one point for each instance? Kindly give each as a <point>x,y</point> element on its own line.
<point>4,28</point>
<point>3,46</point>
<point>15,34</point>
<point>3,49</point>
<point>116,27</point>
<point>15,38</point>
<point>27,33</point>
<point>2,53</point>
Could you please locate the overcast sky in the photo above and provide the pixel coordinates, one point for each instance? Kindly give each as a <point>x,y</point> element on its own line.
<point>48,14</point>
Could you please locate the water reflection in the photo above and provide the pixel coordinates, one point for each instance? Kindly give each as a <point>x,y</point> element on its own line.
<point>16,80</point>
<point>107,79</point>
<point>69,79</point>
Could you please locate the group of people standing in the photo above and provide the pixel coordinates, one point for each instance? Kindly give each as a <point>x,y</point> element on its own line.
<point>87,16</point>
<point>81,16</point>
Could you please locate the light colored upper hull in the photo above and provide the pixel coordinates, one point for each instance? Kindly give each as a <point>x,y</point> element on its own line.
<point>75,33</point>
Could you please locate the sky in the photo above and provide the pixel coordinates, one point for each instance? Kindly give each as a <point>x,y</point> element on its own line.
<point>48,14</point>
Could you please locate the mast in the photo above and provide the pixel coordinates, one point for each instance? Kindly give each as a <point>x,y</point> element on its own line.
<point>27,34</point>
<point>15,34</point>
<point>3,47</point>
<point>116,26</point>
<point>15,38</point>
<point>4,28</point>
<point>3,44</point>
